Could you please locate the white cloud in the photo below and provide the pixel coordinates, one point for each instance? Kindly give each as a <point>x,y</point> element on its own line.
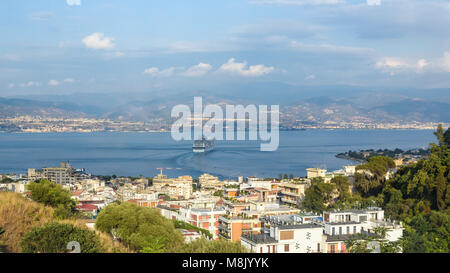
<point>69,80</point>
<point>389,62</point>
<point>310,77</point>
<point>198,70</point>
<point>73,2</point>
<point>394,65</point>
<point>156,72</point>
<point>11,85</point>
<point>56,82</point>
<point>373,2</point>
<point>298,2</point>
<point>30,84</point>
<point>240,68</point>
<point>53,83</point>
<point>445,63</point>
<point>98,41</point>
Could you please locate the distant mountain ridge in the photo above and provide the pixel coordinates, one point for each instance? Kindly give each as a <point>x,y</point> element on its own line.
<point>297,103</point>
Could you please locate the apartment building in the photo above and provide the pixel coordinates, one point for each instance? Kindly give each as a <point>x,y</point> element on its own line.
<point>208,181</point>
<point>232,228</point>
<point>64,174</point>
<point>341,225</point>
<point>293,193</point>
<point>303,238</point>
<point>203,218</point>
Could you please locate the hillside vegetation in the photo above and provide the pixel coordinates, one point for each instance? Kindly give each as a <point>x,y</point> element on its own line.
<point>20,217</point>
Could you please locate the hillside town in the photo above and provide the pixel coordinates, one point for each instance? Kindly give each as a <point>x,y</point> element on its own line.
<point>263,214</point>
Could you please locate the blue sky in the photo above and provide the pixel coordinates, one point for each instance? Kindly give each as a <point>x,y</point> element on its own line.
<point>66,46</point>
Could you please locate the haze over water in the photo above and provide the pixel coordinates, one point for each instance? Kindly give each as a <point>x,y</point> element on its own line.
<point>132,154</point>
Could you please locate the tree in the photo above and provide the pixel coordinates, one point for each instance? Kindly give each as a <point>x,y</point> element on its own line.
<point>368,243</point>
<point>318,195</point>
<point>53,195</point>
<point>141,228</point>
<point>371,180</point>
<point>440,135</point>
<point>1,231</point>
<point>343,187</point>
<point>447,137</point>
<point>54,238</point>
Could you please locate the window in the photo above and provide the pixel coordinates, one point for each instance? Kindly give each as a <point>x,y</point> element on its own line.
<point>287,235</point>
<point>340,230</point>
<point>354,229</point>
<point>286,248</point>
<point>332,231</point>
<point>348,230</point>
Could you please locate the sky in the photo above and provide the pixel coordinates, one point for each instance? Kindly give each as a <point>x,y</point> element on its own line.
<point>69,46</point>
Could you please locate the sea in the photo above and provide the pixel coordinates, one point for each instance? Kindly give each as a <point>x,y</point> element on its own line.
<point>135,154</point>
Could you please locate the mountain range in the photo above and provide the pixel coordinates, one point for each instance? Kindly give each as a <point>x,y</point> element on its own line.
<point>297,103</point>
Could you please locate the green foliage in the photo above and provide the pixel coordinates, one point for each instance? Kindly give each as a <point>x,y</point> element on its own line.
<point>140,228</point>
<point>1,231</point>
<point>419,195</point>
<point>6,180</point>
<point>218,193</point>
<point>370,182</point>
<point>221,246</point>
<point>318,195</point>
<point>361,242</point>
<point>429,233</point>
<point>183,225</point>
<point>342,185</point>
<point>447,137</point>
<point>440,135</point>
<point>54,237</point>
<point>51,194</point>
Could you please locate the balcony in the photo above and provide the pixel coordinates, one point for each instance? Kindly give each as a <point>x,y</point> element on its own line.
<point>291,193</point>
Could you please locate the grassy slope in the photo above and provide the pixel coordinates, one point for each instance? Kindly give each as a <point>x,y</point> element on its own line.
<point>18,215</point>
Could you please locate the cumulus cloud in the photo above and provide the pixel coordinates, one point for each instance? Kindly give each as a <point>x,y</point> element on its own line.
<point>57,82</point>
<point>395,65</point>
<point>389,62</point>
<point>30,84</point>
<point>73,2</point>
<point>240,68</point>
<point>98,41</point>
<point>198,70</point>
<point>53,83</point>
<point>297,2</point>
<point>156,72</point>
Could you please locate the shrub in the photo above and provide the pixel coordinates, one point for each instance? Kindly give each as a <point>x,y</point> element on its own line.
<point>54,238</point>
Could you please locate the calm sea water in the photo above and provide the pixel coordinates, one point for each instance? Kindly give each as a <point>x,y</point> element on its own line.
<point>132,154</point>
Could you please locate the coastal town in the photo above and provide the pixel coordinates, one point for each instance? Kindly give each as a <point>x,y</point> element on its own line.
<point>42,124</point>
<point>263,214</point>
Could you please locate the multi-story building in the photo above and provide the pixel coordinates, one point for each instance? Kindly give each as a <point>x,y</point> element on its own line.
<point>303,238</point>
<point>293,193</point>
<point>308,233</point>
<point>64,174</point>
<point>232,228</point>
<point>176,188</point>
<point>208,181</point>
<point>203,218</point>
<point>316,172</point>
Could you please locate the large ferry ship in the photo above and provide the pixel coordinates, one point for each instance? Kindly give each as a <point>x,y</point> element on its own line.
<point>203,145</point>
